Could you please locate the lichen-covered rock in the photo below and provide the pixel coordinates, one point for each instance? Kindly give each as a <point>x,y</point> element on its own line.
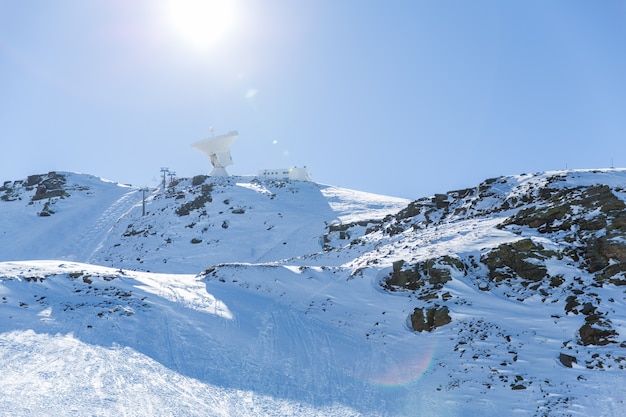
<point>557,214</point>
<point>590,335</point>
<point>198,202</point>
<point>429,319</point>
<point>46,211</point>
<point>570,304</point>
<point>518,259</point>
<point>597,329</point>
<point>605,256</point>
<point>198,179</point>
<point>543,219</point>
<point>435,271</point>
<point>409,279</point>
<point>567,360</point>
<point>48,187</point>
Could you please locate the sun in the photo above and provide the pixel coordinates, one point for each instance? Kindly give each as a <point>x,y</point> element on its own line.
<point>201,23</point>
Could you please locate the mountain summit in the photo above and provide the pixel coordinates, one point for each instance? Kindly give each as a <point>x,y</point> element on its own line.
<point>249,297</point>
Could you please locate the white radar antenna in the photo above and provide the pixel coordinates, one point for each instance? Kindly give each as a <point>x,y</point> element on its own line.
<point>217,148</point>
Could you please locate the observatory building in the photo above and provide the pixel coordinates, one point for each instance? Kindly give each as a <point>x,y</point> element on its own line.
<point>217,148</point>
<point>298,174</point>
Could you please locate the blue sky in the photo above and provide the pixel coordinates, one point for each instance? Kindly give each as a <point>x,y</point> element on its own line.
<point>405,98</point>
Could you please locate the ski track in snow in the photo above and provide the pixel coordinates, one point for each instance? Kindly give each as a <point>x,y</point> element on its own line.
<point>89,242</point>
<point>92,380</point>
<point>97,235</point>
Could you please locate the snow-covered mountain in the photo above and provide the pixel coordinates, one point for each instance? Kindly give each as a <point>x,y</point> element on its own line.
<point>248,297</point>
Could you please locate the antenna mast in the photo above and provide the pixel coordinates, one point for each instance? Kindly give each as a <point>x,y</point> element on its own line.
<point>164,171</point>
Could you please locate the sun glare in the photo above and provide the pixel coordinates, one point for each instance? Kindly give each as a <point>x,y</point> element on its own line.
<point>201,23</point>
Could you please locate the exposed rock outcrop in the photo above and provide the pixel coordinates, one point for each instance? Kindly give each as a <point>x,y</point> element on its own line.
<point>429,319</point>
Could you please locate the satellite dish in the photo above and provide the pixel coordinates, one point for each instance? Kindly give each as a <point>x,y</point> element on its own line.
<point>217,148</point>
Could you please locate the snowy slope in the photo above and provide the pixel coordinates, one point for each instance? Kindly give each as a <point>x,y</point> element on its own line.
<point>309,301</point>
<point>188,227</point>
<point>203,221</point>
<point>59,215</point>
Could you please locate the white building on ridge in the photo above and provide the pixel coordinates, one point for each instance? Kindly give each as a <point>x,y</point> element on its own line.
<point>295,173</point>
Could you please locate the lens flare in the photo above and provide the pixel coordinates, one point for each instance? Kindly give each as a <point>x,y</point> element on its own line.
<point>251,93</point>
<point>399,366</point>
<point>201,23</point>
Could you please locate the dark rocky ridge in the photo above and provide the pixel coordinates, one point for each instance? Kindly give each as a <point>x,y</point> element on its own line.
<point>580,229</point>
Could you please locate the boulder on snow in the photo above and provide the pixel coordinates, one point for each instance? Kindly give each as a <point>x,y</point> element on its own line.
<point>429,319</point>
<point>567,360</point>
<point>590,335</point>
<point>434,271</point>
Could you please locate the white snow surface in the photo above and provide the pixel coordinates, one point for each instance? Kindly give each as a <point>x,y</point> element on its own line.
<point>106,312</point>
